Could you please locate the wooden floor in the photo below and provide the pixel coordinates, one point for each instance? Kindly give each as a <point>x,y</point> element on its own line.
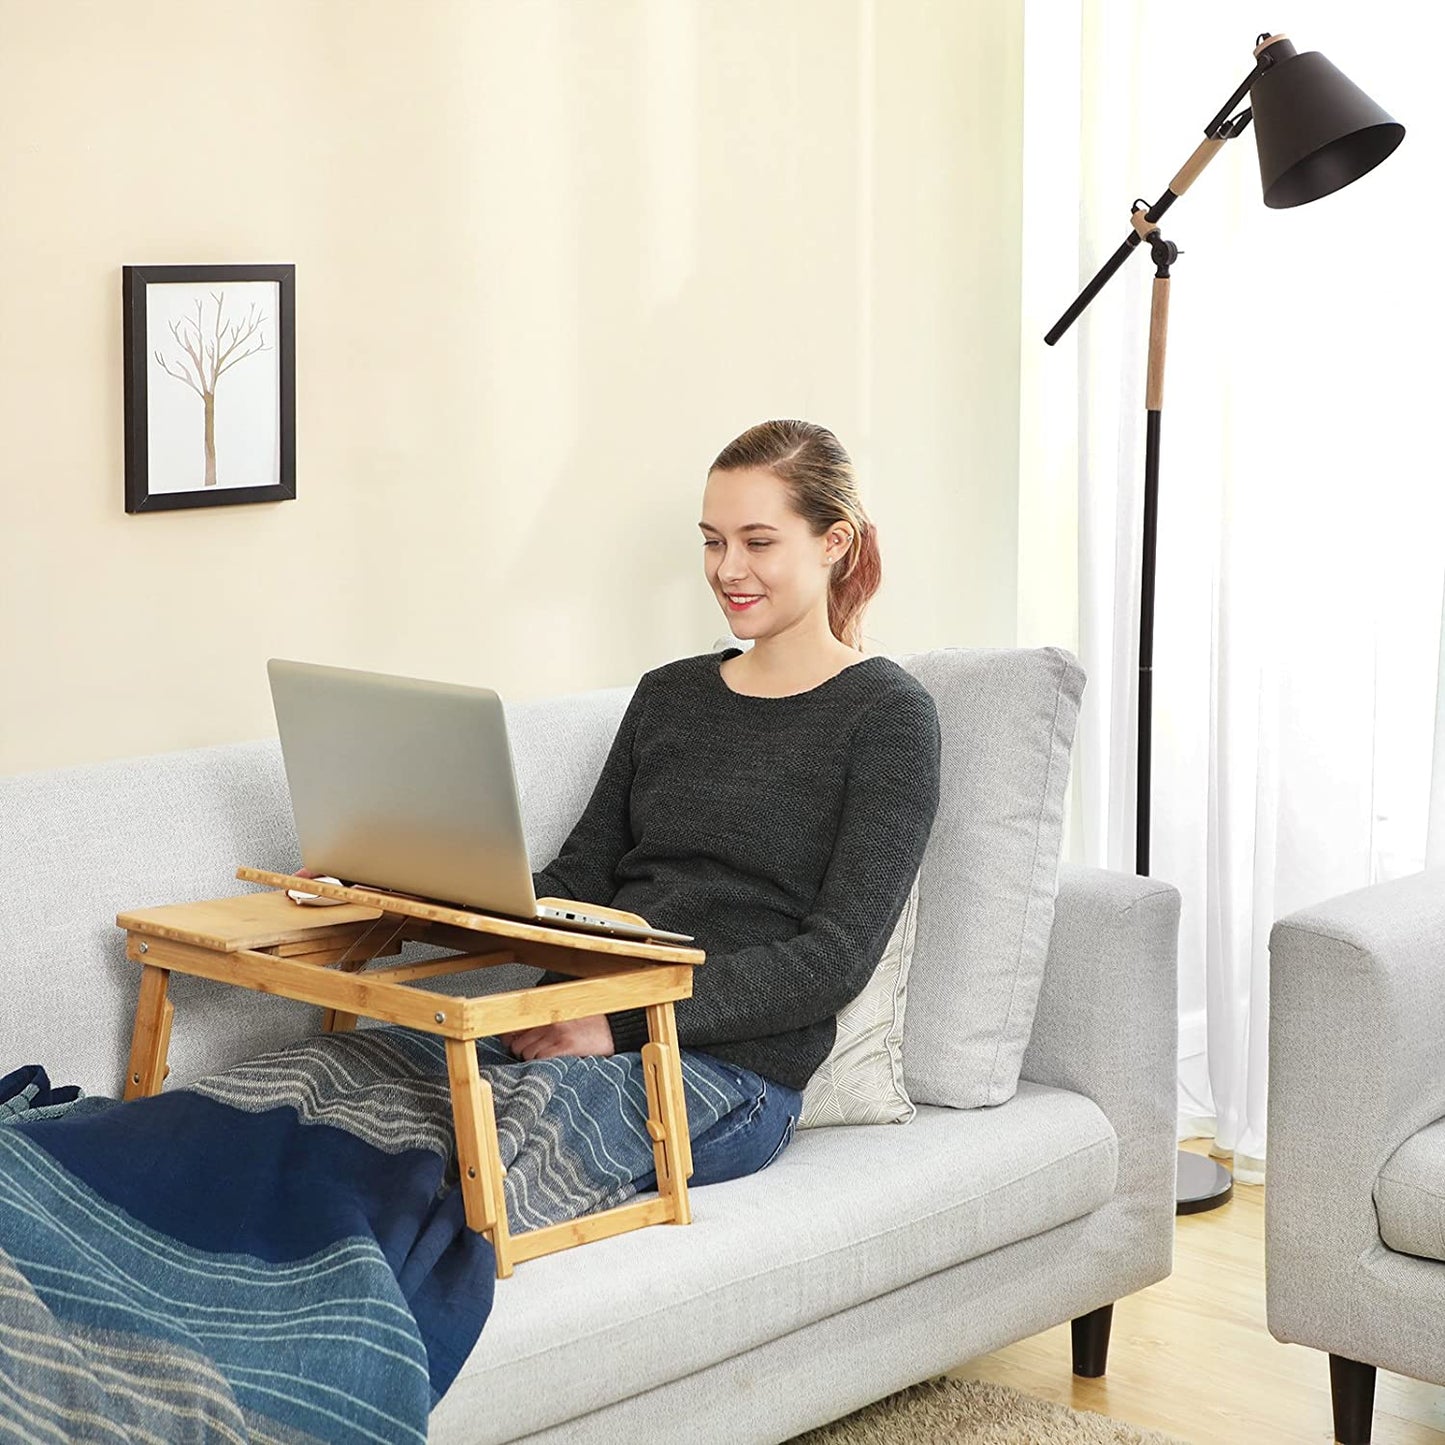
<point>1192,1354</point>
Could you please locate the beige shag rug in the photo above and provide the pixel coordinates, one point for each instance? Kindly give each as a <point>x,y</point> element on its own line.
<point>946,1410</point>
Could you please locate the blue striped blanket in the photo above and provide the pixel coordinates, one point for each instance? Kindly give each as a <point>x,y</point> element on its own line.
<point>278,1252</point>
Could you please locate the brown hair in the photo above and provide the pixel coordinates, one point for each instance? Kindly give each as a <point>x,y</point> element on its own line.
<point>822,489</point>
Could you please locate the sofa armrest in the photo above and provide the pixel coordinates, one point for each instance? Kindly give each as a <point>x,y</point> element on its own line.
<point>1107,1024</point>
<point>1356,1066</point>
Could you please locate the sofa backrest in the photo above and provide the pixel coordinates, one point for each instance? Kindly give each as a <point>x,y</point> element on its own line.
<point>79,845</point>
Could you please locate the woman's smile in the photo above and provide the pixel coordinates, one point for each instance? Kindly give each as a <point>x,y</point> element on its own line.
<point>741,601</point>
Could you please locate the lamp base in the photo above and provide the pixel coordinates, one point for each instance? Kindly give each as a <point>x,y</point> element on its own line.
<point>1201,1183</point>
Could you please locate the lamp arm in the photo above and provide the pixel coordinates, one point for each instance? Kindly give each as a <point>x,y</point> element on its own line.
<point>1219,130</point>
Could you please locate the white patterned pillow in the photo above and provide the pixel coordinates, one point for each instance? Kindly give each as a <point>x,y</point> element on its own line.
<point>861,1080</point>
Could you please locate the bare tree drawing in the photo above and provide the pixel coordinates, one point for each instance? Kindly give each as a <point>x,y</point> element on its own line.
<point>210,357</point>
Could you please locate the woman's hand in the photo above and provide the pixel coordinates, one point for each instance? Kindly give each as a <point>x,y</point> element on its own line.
<point>577,1038</point>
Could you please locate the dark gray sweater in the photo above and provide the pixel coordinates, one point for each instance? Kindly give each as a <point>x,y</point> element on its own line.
<point>782,832</point>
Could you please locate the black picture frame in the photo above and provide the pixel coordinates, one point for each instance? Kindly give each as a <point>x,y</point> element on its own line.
<point>140,348</point>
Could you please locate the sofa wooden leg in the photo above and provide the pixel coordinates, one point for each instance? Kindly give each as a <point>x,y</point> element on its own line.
<point>1352,1392</point>
<point>1091,1342</point>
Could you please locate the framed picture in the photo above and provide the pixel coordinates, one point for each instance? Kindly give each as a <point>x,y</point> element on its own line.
<point>210,385</point>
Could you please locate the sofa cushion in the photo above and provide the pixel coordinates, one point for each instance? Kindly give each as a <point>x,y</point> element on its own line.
<point>761,1259</point>
<point>861,1080</point>
<point>990,872</point>
<point>1410,1195</point>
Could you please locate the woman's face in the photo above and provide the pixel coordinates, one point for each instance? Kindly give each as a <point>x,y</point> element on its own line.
<point>765,568</point>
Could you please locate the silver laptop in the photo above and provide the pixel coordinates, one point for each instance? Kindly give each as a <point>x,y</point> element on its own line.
<point>407,785</point>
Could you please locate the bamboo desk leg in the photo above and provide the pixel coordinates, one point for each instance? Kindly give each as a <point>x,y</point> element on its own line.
<point>151,1036</point>
<point>479,1161</point>
<point>667,1110</point>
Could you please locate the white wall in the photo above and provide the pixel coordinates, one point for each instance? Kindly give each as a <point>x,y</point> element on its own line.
<point>550,257</point>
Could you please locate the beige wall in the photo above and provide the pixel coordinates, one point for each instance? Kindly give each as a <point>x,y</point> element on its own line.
<point>550,256</point>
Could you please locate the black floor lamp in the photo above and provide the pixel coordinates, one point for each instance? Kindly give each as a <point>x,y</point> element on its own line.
<point>1315,132</point>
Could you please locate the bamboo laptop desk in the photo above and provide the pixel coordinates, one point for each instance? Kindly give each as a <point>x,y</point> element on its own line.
<point>265,942</point>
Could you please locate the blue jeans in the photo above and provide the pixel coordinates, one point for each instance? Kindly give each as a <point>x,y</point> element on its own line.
<point>753,1135</point>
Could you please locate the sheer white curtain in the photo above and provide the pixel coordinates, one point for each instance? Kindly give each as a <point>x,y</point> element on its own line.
<point>1299,695</point>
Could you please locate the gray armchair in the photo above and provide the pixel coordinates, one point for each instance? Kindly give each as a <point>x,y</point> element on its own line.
<point>1355,1190</point>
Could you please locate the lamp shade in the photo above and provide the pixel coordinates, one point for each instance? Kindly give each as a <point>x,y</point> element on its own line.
<point>1315,130</point>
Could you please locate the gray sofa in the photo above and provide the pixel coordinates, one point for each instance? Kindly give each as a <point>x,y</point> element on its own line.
<point>1355,1208</point>
<point>865,1259</point>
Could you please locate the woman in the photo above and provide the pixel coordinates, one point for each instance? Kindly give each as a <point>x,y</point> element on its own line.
<point>775,802</point>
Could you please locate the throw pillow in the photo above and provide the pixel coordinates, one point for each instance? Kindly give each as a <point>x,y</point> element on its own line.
<point>990,871</point>
<point>861,1080</point>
